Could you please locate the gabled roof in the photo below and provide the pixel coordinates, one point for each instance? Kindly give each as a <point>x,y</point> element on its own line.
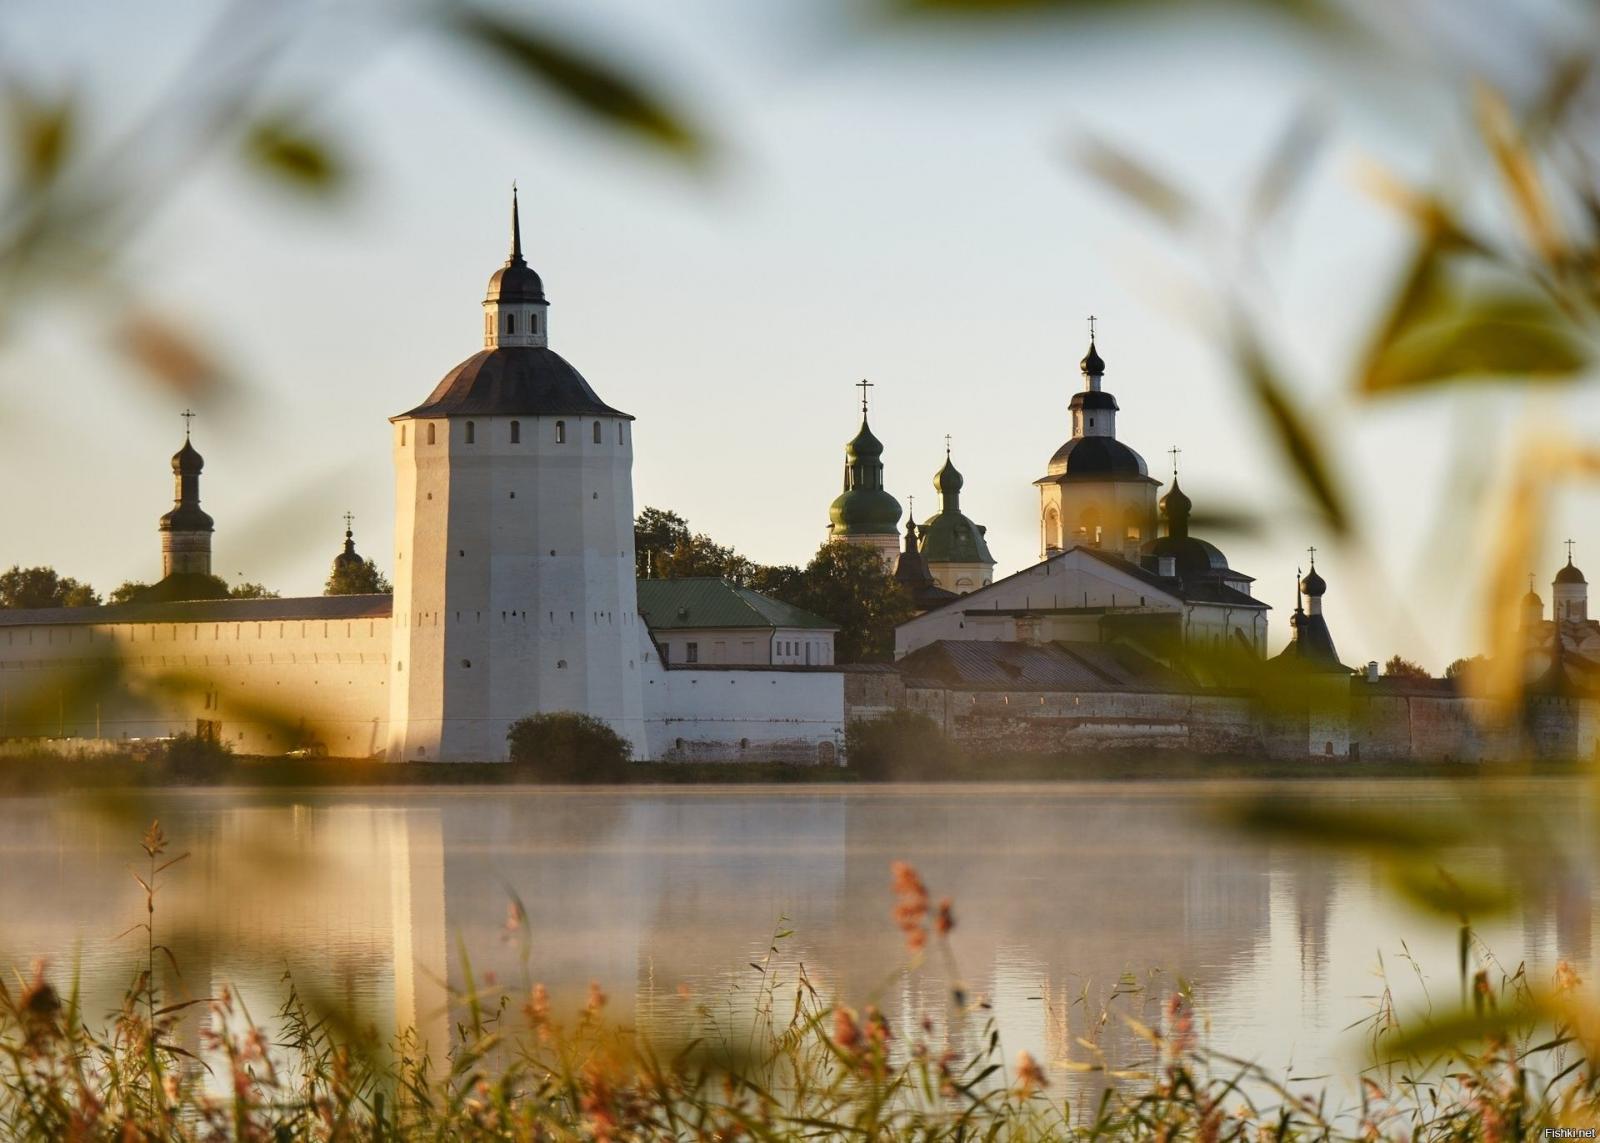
<point>207,611</point>
<point>1004,666</point>
<point>708,601</point>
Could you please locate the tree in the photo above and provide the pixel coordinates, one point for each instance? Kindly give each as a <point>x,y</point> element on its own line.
<point>362,578</point>
<point>43,587</point>
<point>1401,668</point>
<point>781,581</point>
<point>904,745</point>
<point>125,591</point>
<point>249,590</point>
<point>565,746</point>
<point>847,583</point>
<point>1464,668</point>
<point>656,532</point>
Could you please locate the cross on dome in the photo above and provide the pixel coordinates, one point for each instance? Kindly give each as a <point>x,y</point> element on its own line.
<point>189,415</point>
<point>864,385</point>
<point>1173,452</point>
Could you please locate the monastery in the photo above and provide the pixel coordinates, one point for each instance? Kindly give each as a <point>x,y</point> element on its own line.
<point>515,592</point>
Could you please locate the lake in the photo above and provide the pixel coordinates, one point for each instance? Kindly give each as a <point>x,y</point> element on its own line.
<point>665,895</point>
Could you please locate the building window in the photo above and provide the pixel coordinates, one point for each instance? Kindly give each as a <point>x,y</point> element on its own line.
<point>511,323</point>
<point>430,432</point>
<point>691,652</point>
<point>472,433</point>
<point>516,432</point>
<point>488,325</point>
<point>533,323</point>
<point>402,436</point>
<point>619,432</point>
<point>561,432</point>
<point>597,432</point>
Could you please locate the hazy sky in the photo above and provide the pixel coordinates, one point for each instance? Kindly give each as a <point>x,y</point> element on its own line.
<point>897,207</point>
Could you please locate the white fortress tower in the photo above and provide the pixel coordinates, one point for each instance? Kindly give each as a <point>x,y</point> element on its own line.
<point>513,567</point>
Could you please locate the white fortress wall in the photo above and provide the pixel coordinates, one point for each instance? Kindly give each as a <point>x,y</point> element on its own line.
<point>733,714</point>
<point>259,681</point>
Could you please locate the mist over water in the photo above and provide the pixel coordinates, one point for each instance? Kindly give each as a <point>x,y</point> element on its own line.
<point>665,897</point>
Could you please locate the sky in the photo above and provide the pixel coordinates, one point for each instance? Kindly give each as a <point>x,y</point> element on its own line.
<point>901,206</point>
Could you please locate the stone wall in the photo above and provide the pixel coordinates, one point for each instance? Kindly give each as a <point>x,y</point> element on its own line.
<point>263,687</point>
<point>738,715</point>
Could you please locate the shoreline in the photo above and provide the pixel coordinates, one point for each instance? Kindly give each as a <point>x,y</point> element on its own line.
<point>44,773</point>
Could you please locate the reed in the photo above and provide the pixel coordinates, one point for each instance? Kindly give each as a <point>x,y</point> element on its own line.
<point>792,1064</point>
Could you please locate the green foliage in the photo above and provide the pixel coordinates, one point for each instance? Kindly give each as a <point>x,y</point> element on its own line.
<point>656,532</point>
<point>606,93</point>
<point>195,758</point>
<point>248,590</point>
<point>1465,668</point>
<point>568,747</point>
<point>362,578</point>
<point>126,591</point>
<point>1399,667</point>
<point>847,583</point>
<point>41,587</point>
<point>902,746</point>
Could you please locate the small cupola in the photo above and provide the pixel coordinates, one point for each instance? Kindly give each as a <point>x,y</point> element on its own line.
<point>1571,592</point>
<point>349,557</point>
<point>515,310</point>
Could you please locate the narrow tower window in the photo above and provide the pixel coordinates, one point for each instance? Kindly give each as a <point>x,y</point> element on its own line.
<point>472,433</point>
<point>619,432</point>
<point>511,323</point>
<point>516,432</point>
<point>561,432</point>
<point>402,436</point>
<point>430,432</point>
<point>533,323</point>
<point>597,432</point>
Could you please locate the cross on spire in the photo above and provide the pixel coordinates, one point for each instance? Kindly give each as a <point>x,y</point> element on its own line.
<point>1312,552</point>
<point>911,508</point>
<point>516,226</point>
<point>864,385</point>
<point>1569,544</point>
<point>349,522</point>
<point>1091,329</point>
<point>947,446</point>
<point>188,415</point>
<point>1173,452</point>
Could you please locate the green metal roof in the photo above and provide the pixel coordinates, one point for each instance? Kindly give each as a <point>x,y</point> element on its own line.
<point>707,601</point>
<point>950,538</point>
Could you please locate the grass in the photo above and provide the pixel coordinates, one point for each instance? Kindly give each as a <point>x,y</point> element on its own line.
<point>792,1063</point>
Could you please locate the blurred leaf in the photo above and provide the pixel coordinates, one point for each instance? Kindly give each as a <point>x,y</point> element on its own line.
<point>1464,1029</point>
<point>169,354</point>
<point>279,149</point>
<point>42,135</point>
<point>1137,182</point>
<point>1438,891</point>
<point>1299,443</point>
<point>1520,171</point>
<point>1230,518</point>
<point>1317,14</point>
<point>1342,827</point>
<point>582,80</point>
<point>1288,164</point>
<point>1494,336</point>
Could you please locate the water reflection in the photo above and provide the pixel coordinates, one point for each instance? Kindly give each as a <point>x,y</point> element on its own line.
<point>1064,896</point>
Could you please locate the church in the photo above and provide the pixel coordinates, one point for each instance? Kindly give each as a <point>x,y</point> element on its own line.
<point>515,593</point>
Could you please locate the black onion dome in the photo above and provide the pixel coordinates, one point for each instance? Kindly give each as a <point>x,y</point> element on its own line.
<point>948,479</point>
<point>1091,363</point>
<point>1314,585</point>
<point>1099,457</point>
<point>187,459</point>
<point>1175,502</point>
<point>1570,574</point>
<point>513,381</point>
<point>516,281</point>
<point>864,445</point>
<point>1532,600</point>
<point>1192,558</point>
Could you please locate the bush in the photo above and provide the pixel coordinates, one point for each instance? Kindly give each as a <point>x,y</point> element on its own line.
<point>195,758</point>
<point>568,747</point>
<point>899,746</point>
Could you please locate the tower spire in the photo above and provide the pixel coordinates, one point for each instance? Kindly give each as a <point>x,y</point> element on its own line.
<point>864,385</point>
<point>516,227</point>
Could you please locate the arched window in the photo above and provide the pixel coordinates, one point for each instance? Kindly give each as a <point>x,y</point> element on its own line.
<point>533,323</point>
<point>472,433</point>
<point>511,323</point>
<point>597,432</point>
<point>1052,529</point>
<point>430,432</point>
<point>516,432</point>
<point>561,432</point>
<point>488,325</point>
<point>619,432</point>
<point>402,436</point>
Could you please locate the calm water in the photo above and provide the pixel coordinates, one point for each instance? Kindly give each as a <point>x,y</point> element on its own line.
<point>1059,891</point>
